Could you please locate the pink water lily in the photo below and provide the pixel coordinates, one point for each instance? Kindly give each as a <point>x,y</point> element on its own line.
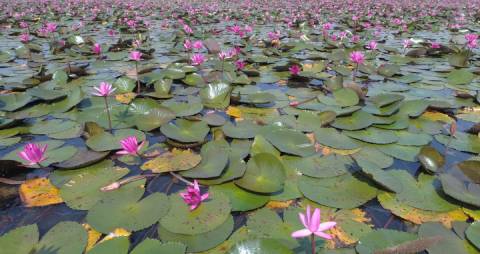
<point>372,45</point>
<point>197,45</point>
<point>240,64</point>
<point>357,57</point>
<point>435,45</point>
<point>24,38</point>
<point>97,49</point>
<point>104,89</point>
<point>197,59</point>
<point>33,153</point>
<point>136,56</point>
<point>407,43</point>
<point>187,29</point>
<point>130,146</point>
<point>192,196</point>
<point>313,225</point>
<point>187,45</point>
<point>295,69</point>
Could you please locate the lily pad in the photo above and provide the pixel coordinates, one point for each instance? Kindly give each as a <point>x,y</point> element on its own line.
<point>265,174</point>
<point>186,131</point>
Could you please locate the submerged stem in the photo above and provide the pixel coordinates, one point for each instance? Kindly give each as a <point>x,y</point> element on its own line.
<point>312,239</point>
<point>138,80</point>
<point>181,178</point>
<point>108,115</point>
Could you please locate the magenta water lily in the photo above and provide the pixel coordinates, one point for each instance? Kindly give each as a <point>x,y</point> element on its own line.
<point>192,196</point>
<point>33,154</point>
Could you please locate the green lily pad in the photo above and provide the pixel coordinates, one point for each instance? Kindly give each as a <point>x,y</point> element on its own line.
<point>128,212</point>
<point>242,129</point>
<point>473,233</point>
<point>209,215</point>
<point>468,193</point>
<point>105,141</point>
<point>460,77</point>
<point>358,120</point>
<point>290,141</point>
<point>116,245</point>
<point>345,97</point>
<point>260,246</point>
<point>462,142</point>
<point>450,243</point>
<point>369,157</point>
<point>344,191</point>
<point>431,159</point>
<point>200,242</point>
<point>26,235</point>
<point>216,95</point>
<point>186,131</point>
<point>214,160</point>
<point>332,138</point>
<point>148,246</point>
<point>265,174</point>
<point>321,167</point>
<point>59,238</point>
<point>382,100</point>
<point>240,199</point>
<point>381,239</point>
<point>373,135</point>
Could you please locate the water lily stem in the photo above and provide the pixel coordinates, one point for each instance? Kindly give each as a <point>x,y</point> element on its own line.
<point>108,115</point>
<point>181,178</point>
<point>312,239</point>
<point>118,184</point>
<point>138,80</point>
<point>10,181</point>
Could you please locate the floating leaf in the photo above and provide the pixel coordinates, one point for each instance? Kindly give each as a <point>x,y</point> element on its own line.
<point>381,239</point>
<point>176,160</point>
<point>186,131</point>
<point>264,174</point>
<point>39,192</point>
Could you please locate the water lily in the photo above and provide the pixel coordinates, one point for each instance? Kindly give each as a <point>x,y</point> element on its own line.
<point>97,49</point>
<point>435,45</point>
<point>372,45</point>
<point>24,38</point>
<point>294,69</point>
<point>471,40</point>
<point>357,57</point>
<point>130,146</point>
<point>187,45</point>
<point>33,153</point>
<point>104,90</point>
<point>240,64</point>
<point>187,29</point>
<point>192,196</point>
<point>197,45</point>
<point>197,59</point>
<point>135,56</point>
<point>313,226</point>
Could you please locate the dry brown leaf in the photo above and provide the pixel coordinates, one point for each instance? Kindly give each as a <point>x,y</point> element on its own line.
<point>93,236</point>
<point>39,192</point>
<point>125,98</point>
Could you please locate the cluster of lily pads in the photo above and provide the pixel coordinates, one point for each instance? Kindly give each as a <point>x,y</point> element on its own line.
<point>239,127</point>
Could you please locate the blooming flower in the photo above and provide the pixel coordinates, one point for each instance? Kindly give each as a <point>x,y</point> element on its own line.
<point>97,49</point>
<point>471,40</point>
<point>130,146</point>
<point>435,45</point>
<point>187,29</point>
<point>240,64</point>
<point>313,225</point>
<point>24,38</point>
<point>104,89</point>
<point>294,69</point>
<point>187,45</point>
<point>372,45</point>
<point>23,24</point>
<point>222,55</point>
<point>111,32</point>
<point>273,36</point>
<point>327,26</point>
<point>51,27</point>
<point>197,45</point>
<point>197,59</point>
<point>407,43</point>
<point>357,57</point>
<point>33,153</point>
<point>193,197</point>
<point>136,56</point>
